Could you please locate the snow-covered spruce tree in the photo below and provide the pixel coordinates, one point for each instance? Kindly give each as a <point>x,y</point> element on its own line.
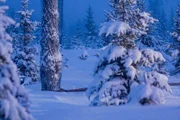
<point>176,37</point>
<point>14,100</point>
<point>51,59</point>
<point>122,66</point>
<point>141,4</point>
<point>154,38</point>
<point>162,26</point>
<point>151,39</point>
<point>89,23</point>
<point>25,51</point>
<point>92,40</point>
<point>77,38</point>
<point>171,20</point>
<point>145,40</point>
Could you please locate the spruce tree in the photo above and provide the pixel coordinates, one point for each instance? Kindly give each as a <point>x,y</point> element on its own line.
<point>176,37</point>
<point>162,26</point>
<point>25,51</point>
<point>92,40</point>
<point>14,100</point>
<point>141,4</point>
<point>119,73</point>
<point>157,34</point>
<point>77,39</point>
<point>155,6</point>
<point>150,39</point>
<point>51,60</point>
<point>90,24</point>
<point>171,20</point>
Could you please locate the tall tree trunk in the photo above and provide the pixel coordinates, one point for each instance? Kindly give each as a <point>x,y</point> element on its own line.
<point>61,19</point>
<point>51,60</point>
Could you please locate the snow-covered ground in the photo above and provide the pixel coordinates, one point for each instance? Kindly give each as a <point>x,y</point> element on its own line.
<point>75,106</point>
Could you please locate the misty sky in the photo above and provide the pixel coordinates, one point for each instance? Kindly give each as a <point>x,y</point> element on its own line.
<point>75,10</point>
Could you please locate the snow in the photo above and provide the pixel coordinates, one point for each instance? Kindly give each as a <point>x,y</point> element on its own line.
<point>131,72</point>
<point>75,106</point>
<point>128,62</point>
<point>114,27</point>
<point>110,90</point>
<point>152,77</point>
<point>84,55</point>
<point>175,78</point>
<point>14,100</point>
<point>150,56</point>
<point>116,52</point>
<point>135,55</point>
<point>107,72</point>
<point>174,53</point>
<point>147,91</point>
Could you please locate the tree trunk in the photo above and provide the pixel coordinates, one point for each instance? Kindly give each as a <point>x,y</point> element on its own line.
<point>51,61</point>
<point>61,20</point>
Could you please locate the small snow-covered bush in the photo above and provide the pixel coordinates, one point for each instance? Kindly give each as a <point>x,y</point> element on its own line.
<point>84,55</point>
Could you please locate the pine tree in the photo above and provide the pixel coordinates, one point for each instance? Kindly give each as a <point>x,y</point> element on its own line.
<point>162,26</point>
<point>89,23</point>
<point>78,37</point>
<point>153,39</point>
<point>118,71</point>
<point>171,20</point>
<point>141,4</point>
<point>51,61</point>
<point>92,40</point>
<point>25,51</point>
<point>145,40</point>
<point>155,6</point>
<point>14,100</point>
<point>67,42</point>
<point>176,37</point>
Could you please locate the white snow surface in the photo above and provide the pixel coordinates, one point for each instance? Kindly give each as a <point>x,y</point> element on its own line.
<point>75,106</point>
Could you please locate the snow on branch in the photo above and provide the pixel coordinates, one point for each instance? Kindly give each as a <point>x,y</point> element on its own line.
<point>117,28</point>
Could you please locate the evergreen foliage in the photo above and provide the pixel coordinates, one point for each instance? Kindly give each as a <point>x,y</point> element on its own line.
<point>92,40</point>
<point>14,100</point>
<point>25,51</point>
<point>120,70</point>
<point>176,37</point>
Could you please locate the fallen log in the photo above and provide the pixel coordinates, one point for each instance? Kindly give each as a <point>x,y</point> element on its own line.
<point>84,89</point>
<point>174,84</point>
<point>72,90</point>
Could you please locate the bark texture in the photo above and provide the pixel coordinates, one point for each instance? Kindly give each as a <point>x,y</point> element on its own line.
<point>51,60</point>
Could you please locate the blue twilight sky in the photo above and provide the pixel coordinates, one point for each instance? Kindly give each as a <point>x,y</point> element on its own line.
<point>75,10</point>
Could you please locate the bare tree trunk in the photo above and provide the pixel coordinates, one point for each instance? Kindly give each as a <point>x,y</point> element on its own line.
<point>61,19</point>
<point>51,60</point>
